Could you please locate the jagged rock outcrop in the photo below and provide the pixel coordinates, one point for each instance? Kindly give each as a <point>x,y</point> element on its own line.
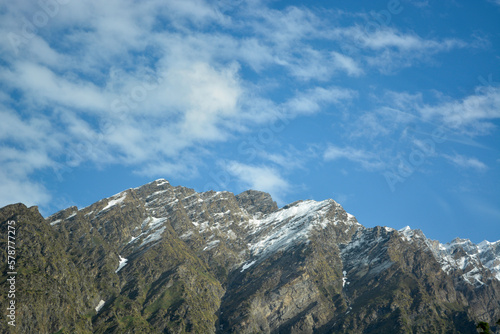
<point>164,259</point>
<point>255,202</point>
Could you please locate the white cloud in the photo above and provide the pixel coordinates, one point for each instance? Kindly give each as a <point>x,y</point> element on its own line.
<point>366,159</point>
<point>25,148</point>
<point>466,162</point>
<point>471,114</point>
<point>314,99</point>
<point>286,41</point>
<point>384,121</point>
<point>22,190</point>
<point>289,159</point>
<point>388,49</point>
<point>347,64</point>
<point>17,165</point>
<point>45,88</point>
<point>261,178</point>
<point>391,38</point>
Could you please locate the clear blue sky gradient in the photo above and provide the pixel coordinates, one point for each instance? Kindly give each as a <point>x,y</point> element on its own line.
<point>392,108</point>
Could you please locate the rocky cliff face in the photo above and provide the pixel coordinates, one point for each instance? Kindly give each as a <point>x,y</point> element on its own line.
<point>164,259</point>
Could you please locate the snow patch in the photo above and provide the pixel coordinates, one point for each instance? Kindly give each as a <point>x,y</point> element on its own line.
<point>203,226</point>
<point>153,236</point>
<point>156,193</point>
<point>117,199</point>
<point>153,222</point>
<point>473,277</point>
<point>55,222</point>
<point>186,235</point>
<point>344,279</point>
<point>406,232</point>
<point>231,234</point>
<point>160,182</point>
<point>123,262</point>
<point>99,306</point>
<point>247,265</point>
<point>285,227</point>
<point>211,245</point>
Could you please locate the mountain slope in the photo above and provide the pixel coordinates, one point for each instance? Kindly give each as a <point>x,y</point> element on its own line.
<point>164,259</point>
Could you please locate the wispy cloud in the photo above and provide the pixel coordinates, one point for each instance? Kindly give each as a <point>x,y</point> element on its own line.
<point>259,177</point>
<point>472,114</point>
<point>315,99</point>
<point>391,38</point>
<point>366,159</point>
<point>466,162</point>
<point>346,63</point>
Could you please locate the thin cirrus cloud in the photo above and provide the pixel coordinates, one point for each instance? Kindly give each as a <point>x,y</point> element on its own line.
<point>367,160</point>
<point>472,114</point>
<point>415,123</point>
<point>466,162</point>
<point>391,38</point>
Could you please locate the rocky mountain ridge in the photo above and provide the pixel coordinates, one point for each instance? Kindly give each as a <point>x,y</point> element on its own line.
<point>164,259</point>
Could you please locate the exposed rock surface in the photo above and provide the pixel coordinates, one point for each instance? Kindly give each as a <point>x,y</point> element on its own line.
<point>164,259</point>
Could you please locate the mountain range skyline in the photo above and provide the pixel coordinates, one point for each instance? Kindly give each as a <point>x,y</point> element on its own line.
<point>406,230</point>
<point>163,258</point>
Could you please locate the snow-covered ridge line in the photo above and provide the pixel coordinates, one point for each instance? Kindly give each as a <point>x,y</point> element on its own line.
<point>461,254</point>
<point>290,225</point>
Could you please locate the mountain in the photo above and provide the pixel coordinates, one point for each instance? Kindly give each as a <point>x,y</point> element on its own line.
<point>165,259</point>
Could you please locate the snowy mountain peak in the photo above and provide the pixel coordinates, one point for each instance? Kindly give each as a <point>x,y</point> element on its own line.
<point>405,229</point>
<point>411,234</point>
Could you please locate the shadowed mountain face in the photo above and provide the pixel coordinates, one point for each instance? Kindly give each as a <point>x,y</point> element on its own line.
<point>164,259</point>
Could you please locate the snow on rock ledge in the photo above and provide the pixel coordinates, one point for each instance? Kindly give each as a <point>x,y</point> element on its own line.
<point>123,262</point>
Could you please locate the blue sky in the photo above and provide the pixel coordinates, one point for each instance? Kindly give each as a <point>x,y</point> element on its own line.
<point>389,107</point>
